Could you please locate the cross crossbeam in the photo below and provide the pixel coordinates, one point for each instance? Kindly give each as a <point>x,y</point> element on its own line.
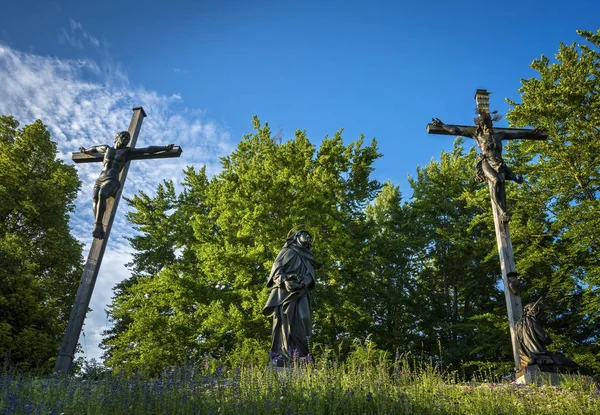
<point>436,129</point>
<point>79,157</point>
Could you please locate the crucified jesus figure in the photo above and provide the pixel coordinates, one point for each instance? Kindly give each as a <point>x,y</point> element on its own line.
<point>491,166</point>
<point>113,162</point>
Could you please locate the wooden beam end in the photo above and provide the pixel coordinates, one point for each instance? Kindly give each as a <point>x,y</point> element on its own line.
<point>142,110</point>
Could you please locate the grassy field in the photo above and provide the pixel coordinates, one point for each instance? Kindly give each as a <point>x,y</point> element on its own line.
<point>326,388</point>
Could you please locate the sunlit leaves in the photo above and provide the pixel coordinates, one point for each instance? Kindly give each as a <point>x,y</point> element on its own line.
<point>39,259</point>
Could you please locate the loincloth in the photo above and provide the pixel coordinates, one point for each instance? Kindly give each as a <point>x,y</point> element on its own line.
<point>495,163</point>
<point>107,183</point>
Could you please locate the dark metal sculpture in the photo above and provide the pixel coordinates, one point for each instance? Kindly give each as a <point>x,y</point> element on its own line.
<point>114,159</point>
<point>292,279</point>
<point>490,164</point>
<point>533,340</point>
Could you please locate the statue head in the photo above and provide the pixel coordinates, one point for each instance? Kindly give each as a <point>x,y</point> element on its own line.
<point>534,309</point>
<point>300,237</point>
<point>122,139</point>
<point>304,239</point>
<point>485,120</point>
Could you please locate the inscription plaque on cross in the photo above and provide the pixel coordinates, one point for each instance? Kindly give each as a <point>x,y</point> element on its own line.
<point>107,194</point>
<point>492,168</point>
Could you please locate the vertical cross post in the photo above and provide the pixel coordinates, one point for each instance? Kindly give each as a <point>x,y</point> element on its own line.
<point>92,266</point>
<point>507,265</point>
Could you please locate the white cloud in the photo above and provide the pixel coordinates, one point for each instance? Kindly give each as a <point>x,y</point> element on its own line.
<point>81,107</point>
<point>77,36</point>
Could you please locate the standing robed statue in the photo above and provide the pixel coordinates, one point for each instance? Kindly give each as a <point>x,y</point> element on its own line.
<point>291,281</point>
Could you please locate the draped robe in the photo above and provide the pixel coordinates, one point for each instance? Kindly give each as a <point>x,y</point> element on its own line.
<point>291,281</point>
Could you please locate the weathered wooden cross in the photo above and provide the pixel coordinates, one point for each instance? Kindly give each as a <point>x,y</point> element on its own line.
<point>107,193</point>
<point>491,168</point>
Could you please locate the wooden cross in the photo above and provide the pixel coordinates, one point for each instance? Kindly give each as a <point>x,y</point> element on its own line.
<point>491,168</point>
<point>92,266</point>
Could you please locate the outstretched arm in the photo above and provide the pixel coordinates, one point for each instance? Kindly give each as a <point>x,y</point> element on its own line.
<point>151,149</point>
<point>452,129</point>
<point>537,134</point>
<point>94,149</point>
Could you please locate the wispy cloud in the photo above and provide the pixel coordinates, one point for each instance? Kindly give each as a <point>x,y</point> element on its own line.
<point>77,36</point>
<point>178,70</point>
<point>82,106</point>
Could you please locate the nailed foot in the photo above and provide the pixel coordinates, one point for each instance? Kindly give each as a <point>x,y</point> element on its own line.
<point>514,285</point>
<point>98,231</point>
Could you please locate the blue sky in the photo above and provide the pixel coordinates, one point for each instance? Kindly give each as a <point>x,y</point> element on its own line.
<point>201,69</point>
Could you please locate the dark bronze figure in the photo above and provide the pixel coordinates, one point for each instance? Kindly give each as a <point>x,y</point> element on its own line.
<point>292,279</point>
<point>491,165</point>
<point>533,340</point>
<point>108,183</point>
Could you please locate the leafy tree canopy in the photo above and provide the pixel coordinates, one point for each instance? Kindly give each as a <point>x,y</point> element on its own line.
<point>40,262</point>
<point>560,208</point>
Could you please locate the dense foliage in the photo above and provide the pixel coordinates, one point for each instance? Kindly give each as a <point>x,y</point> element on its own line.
<point>559,226</point>
<point>216,240</point>
<point>39,259</point>
<point>414,275</point>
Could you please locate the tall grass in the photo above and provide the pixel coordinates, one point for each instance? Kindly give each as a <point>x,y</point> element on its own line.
<point>366,383</point>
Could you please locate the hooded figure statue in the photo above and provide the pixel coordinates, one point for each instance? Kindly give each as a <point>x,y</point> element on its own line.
<point>533,340</point>
<point>291,281</point>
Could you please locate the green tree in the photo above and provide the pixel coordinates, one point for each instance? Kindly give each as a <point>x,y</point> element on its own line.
<point>40,262</point>
<point>212,303</point>
<point>455,263</point>
<point>163,253</point>
<point>393,281</point>
<point>564,174</point>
